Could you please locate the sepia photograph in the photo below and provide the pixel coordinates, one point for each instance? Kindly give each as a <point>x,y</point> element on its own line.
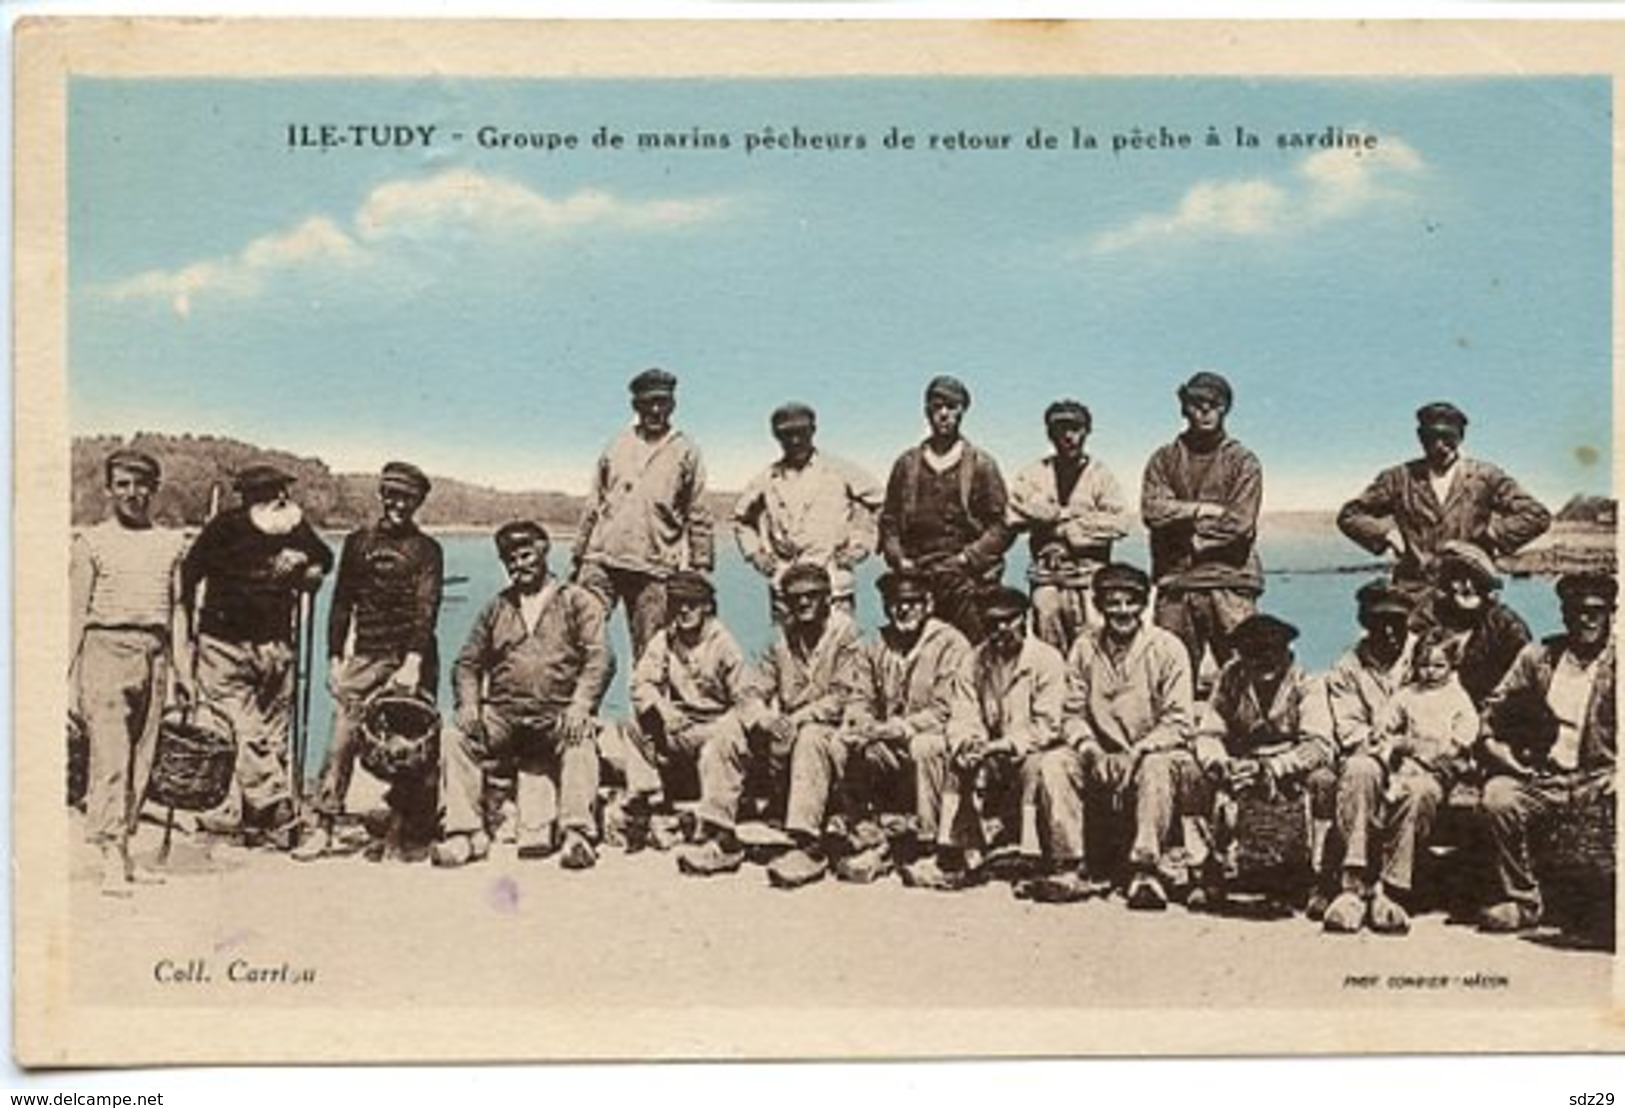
<point>822,540</point>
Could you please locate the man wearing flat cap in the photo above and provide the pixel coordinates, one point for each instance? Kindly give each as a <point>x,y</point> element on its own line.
<point>526,687</point>
<point>1549,731</point>
<point>807,508</point>
<point>688,689</point>
<point>252,562</point>
<point>646,515</point>
<point>1072,510</point>
<point>1200,499</point>
<point>1485,634</point>
<point>128,644</point>
<point>944,513</point>
<point>1011,719</point>
<point>1412,510</point>
<point>1359,689</point>
<point>796,704</point>
<point>1126,755</point>
<point>1266,732</point>
<point>381,634</point>
<point>913,682</point>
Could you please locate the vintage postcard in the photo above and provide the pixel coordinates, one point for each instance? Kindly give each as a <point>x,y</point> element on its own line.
<point>808,540</point>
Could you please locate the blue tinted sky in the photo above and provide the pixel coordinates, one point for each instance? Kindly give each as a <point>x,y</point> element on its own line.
<point>480,311</point>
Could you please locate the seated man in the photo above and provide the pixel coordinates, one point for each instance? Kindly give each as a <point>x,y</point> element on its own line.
<point>1267,730</point>
<point>527,685</point>
<point>1126,726</point>
<point>1486,634</point>
<point>1549,733</point>
<point>1017,687</point>
<point>1358,688</point>
<point>1391,789</point>
<point>687,691</point>
<point>912,678</point>
<point>797,704</point>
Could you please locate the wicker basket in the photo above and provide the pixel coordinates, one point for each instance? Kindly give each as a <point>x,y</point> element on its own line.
<point>194,761</point>
<point>400,733</point>
<point>1573,857</point>
<point>1272,843</point>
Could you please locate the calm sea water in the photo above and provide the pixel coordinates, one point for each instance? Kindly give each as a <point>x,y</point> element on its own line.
<point>1301,586</point>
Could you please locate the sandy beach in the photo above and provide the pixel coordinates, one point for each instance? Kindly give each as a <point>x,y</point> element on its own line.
<point>234,926</point>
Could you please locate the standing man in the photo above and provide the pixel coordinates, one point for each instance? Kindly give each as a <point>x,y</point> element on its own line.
<point>798,703</point>
<point>381,633</point>
<point>687,692</point>
<point>1127,729</point>
<point>1200,501</point>
<point>253,561</point>
<point>807,508</point>
<point>125,630</point>
<point>944,514</point>
<point>1549,731</point>
<point>1412,510</point>
<point>646,515</point>
<point>527,684</point>
<point>1073,510</point>
<point>913,682</point>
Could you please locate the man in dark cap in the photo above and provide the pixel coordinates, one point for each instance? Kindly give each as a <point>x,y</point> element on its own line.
<point>1412,510</point>
<point>646,515</point>
<point>124,635</point>
<point>381,634</point>
<point>944,513</point>
<point>1200,500</point>
<point>1485,634</point>
<point>1013,716</point>
<point>1549,731</point>
<point>687,691</point>
<point>252,563</point>
<point>1359,687</point>
<point>1126,725</point>
<point>795,708</point>
<point>807,508</point>
<point>913,681</point>
<point>1072,509</point>
<point>527,686</point>
<point>1265,731</point>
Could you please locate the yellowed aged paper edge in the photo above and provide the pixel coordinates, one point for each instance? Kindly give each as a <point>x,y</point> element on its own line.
<point>50,1031</point>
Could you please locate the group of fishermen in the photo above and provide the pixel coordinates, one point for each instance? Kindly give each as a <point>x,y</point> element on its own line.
<point>1058,723</point>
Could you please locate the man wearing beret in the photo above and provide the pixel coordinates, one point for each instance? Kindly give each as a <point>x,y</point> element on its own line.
<point>1011,719</point>
<point>1265,731</point>
<point>124,632</point>
<point>797,702</point>
<point>1200,500</point>
<point>1359,687</point>
<point>1072,509</point>
<point>381,634</point>
<point>807,508</point>
<point>1126,726</point>
<point>1485,634</point>
<point>1549,731</point>
<point>527,686</point>
<point>252,563</point>
<point>1413,509</point>
<point>944,513</point>
<point>646,515</point>
<point>688,688</point>
<point>913,681</point>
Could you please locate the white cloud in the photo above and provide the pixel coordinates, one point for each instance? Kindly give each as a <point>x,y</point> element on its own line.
<point>1324,187</point>
<point>453,204</point>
